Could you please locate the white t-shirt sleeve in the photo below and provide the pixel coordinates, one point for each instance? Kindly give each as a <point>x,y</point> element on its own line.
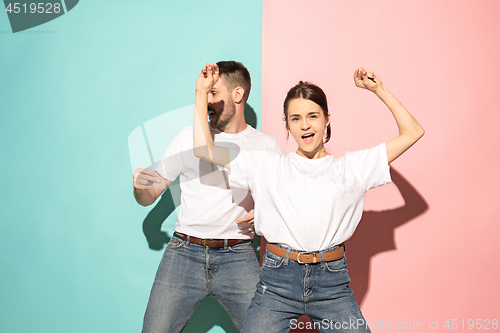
<point>170,165</point>
<point>370,165</point>
<point>245,165</point>
<point>278,148</point>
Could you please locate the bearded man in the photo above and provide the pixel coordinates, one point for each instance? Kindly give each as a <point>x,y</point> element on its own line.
<point>210,252</point>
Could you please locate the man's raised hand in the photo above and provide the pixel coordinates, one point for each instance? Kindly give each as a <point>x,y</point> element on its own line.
<point>208,77</point>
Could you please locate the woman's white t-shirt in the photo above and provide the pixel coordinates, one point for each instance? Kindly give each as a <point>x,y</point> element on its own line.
<point>308,205</point>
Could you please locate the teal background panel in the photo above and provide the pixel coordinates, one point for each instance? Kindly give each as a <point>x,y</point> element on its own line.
<point>73,252</point>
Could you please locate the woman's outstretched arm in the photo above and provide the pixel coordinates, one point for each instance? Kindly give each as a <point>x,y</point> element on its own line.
<point>203,144</point>
<point>409,129</point>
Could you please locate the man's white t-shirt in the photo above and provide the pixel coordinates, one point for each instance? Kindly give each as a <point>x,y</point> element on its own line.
<point>209,206</point>
<point>308,204</point>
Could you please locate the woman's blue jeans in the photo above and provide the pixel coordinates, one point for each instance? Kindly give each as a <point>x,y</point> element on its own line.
<point>287,290</point>
<point>190,272</point>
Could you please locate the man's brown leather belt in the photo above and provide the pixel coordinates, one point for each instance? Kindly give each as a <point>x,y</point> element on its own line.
<point>307,258</point>
<point>211,243</point>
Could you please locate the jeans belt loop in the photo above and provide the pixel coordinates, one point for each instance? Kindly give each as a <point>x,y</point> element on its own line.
<point>322,258</point>
<point>225,244</point>
<point>188,240</point>
<point>287,256</point>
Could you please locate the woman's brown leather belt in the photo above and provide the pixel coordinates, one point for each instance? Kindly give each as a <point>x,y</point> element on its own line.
<point>306,257</point>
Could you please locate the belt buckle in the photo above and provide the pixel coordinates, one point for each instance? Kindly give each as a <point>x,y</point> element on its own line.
<point>301,262</point>
<point>204,242</point>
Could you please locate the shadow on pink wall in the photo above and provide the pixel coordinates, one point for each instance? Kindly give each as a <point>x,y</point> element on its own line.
<point>374,235</point>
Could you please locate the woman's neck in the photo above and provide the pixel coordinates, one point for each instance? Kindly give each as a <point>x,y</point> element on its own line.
<point>312,155</point>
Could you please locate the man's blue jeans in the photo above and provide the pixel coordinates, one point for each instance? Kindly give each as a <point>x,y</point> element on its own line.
<point>190,272</point>
<point>287,290</point>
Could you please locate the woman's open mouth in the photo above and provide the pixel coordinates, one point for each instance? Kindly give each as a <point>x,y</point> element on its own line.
<point>308,137</point>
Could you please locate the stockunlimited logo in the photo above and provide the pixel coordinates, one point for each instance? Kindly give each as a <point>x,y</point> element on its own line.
<point>28,14</point>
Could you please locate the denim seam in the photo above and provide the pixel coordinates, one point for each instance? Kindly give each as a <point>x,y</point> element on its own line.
<point>230,248</point>
<point>304,296</point>
<point>207,272</point>
<point>345,269</point>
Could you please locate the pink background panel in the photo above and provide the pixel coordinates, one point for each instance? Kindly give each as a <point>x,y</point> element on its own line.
<point>433,254</point>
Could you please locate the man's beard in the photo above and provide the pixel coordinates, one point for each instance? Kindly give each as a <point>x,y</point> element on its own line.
<point>227,114</point>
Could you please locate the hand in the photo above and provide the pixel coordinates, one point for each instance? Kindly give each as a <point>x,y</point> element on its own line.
<point>145,178</point>
<point>247,218</point>
<point>208,77</point>
<point>366,79</point>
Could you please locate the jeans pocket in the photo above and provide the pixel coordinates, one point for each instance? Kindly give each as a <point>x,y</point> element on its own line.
<point>241,247</point>
<point>175,243</point>
<point>272,261</point>
<point>336,266</point>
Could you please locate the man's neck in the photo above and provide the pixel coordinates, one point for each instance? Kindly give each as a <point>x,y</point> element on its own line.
<point>235,127</point>
<point>237,124</point>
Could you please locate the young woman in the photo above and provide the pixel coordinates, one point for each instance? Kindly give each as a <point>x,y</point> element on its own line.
<point>307,203</point>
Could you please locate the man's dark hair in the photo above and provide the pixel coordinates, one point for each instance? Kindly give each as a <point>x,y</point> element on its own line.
<point>236,75</point>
